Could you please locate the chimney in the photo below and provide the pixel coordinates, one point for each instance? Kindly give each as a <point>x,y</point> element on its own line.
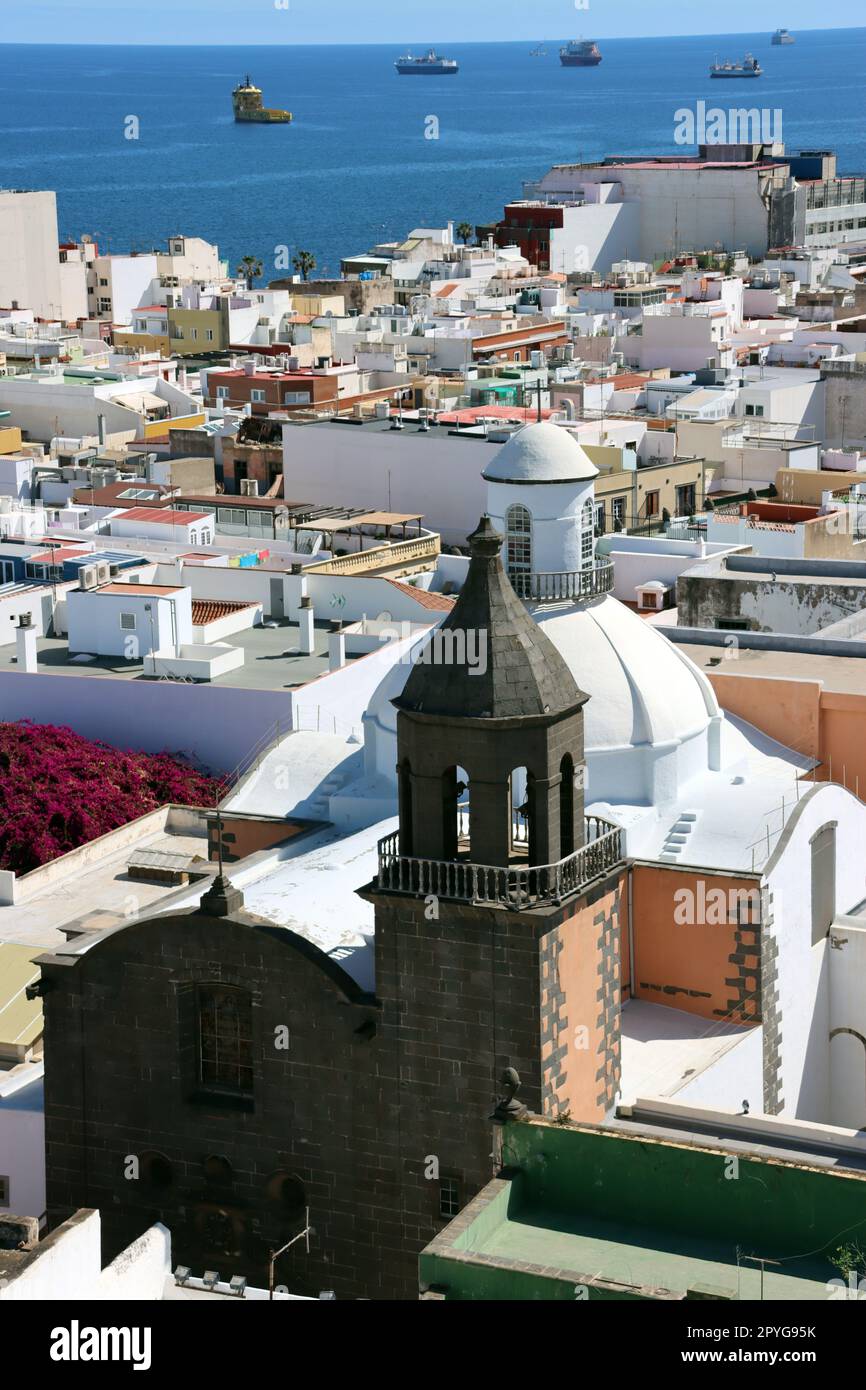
<point>100,427</point>
<point>25,644</point>
<point>336,646</point>
<point>306,625</point>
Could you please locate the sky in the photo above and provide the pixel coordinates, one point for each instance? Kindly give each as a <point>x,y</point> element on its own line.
<point>247,22</point>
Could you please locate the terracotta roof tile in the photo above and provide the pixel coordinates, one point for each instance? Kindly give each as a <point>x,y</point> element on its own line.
<point>208,610</point>
<point>439,603</point>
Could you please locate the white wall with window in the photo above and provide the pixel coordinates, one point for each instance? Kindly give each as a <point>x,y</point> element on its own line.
<point>128,620</point>
<point>540,495</point>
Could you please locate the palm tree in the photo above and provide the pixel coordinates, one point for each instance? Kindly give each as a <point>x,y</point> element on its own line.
<point>304,263</point>
<point>464,231</point>
<point>250,269</point>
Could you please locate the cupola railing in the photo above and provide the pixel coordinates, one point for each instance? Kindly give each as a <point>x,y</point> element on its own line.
<point>554,586</point>
<point>515,885</point>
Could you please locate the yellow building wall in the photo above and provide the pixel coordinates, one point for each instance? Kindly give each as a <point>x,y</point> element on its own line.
<point>154,429</point>
<point>10,440</point>
<point>318,303</point>
<point>202,320</point>
<point>142,342</point>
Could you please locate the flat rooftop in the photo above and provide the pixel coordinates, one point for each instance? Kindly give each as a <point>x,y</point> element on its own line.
<point>587,1247</point>
<point>272,657</point>
<point>96,893</point>
<point>845,675</point>
<point>664,1048</point>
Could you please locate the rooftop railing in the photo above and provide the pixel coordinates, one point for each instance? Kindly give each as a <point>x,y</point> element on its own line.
<point>554,586</point>
<point>515,886</point>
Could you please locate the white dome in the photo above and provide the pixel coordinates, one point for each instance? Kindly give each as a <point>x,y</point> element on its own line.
<point>542,453</point>
<point>647,724</point>
<point>644,691</point>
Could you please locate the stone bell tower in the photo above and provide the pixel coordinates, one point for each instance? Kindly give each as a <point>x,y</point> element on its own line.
<point>489,698</point>
<point>489,866</point>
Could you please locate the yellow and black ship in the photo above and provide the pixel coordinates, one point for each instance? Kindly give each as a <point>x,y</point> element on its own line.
<point>247,106</point>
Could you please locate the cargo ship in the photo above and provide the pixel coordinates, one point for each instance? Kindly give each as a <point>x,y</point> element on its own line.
<point>430,65</point>
<point>782,36</point>
<point>583,53</point>
<point>749,67</point>
<point>247,106</point>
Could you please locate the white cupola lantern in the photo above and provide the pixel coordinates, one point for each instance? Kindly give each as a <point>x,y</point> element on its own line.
<point>541,496</point>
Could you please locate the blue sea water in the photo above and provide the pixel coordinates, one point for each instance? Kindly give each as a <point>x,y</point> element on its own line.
<point>355,167</point>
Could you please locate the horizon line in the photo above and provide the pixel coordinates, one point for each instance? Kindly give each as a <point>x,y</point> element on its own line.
<point>382,43</point>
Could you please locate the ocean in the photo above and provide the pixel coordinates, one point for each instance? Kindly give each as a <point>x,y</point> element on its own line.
<point>357,167</point>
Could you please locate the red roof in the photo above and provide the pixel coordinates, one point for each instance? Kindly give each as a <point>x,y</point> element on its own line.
<point>208,610</point>
<point>439,603</point>
<point>163,515</point>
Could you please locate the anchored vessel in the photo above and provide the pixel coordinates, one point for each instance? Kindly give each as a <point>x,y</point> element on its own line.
<point>782,36</point>
<point>247,106</point>
<point>749,67</point>
<point>430,65</point>
<point>538,52</point>
<point>583,53</point>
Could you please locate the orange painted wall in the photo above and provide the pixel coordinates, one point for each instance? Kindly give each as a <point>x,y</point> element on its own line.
<point>585,1021</point>
<point>824,724</point>
<point>687,965</point>
<point>787,710</point>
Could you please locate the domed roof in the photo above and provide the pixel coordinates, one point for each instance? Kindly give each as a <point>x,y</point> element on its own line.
<point>643,689</point>
<point>519,675</point>
<point>541,453</point>
<point>644,692</point>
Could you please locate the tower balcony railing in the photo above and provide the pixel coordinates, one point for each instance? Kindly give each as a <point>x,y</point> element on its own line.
<point>514,886</point>
<point>553,586</point>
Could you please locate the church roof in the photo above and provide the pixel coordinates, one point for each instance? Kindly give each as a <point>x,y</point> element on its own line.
<point>541,453</point>
<point>488,659</point>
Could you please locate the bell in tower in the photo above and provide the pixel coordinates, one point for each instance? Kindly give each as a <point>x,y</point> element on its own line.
<point>490,748</point>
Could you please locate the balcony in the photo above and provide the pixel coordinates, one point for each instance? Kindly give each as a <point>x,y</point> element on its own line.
<point>516,886</point>
<point>554,587</point>
<point>381,559</point>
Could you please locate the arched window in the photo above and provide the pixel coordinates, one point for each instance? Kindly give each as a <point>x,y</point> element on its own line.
<point>286,1192</point>
<point>566,807</point>
<point>455,812</point>
<point>518,546</point>
<point>155,1170</point>
<point>587,536</point>
<point>521,809</point>
<point>217,1170</point>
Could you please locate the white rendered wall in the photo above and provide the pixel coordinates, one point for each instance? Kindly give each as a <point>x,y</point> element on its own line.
<point>555,509</point>
<point>847,965</point>
<point>438,474</point>
<point>803,969</point>
<point>22,1145</point>
<point>29,256</point>
<point>68,1267</point>
<point>93,620</point>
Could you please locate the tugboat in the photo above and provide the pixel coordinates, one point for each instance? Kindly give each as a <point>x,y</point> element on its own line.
<point>584,53</point>
<point>247,106</point>
<point>431,65</point>
<point>749,67</point>
<point>782,36</point>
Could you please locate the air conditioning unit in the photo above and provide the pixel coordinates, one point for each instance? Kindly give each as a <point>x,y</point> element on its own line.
<point>114,570</point>
<point>103,572</point>
<point>88,577</point>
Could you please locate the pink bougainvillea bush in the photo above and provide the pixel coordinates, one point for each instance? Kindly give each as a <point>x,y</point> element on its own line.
<point>59,790</point>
